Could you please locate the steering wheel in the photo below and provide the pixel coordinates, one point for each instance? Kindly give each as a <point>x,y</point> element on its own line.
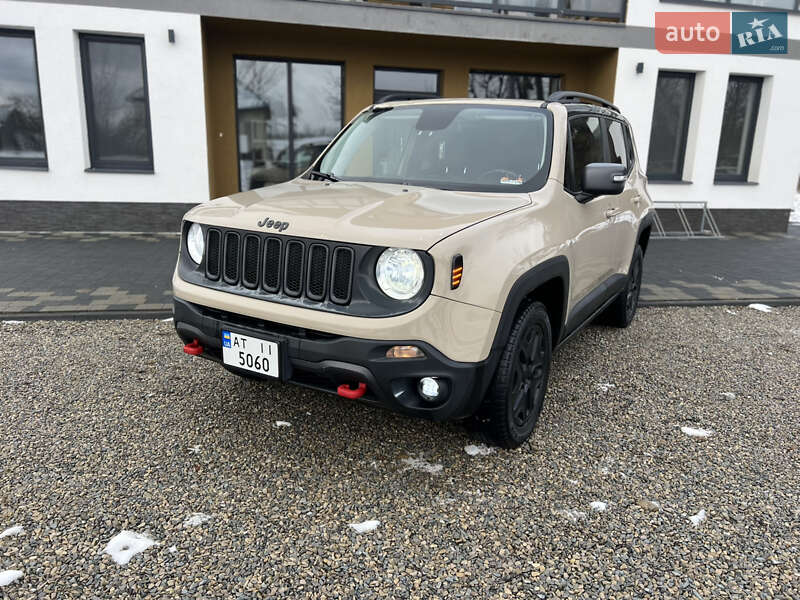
<point>511,174</point>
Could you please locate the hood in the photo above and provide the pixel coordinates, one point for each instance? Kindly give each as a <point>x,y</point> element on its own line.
<point>376,214</point>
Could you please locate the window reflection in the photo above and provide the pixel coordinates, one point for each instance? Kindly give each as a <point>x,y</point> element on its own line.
<point>389,82</point>
<point>738,127</point>
<point>21,125</point>
<point>117,111</point>
<point>273,148</point>
<point>670,128</point>
<point>488,84</point>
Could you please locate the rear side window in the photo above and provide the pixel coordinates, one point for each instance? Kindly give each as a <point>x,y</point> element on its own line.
<point>586,143</point>
<point>616,140</point>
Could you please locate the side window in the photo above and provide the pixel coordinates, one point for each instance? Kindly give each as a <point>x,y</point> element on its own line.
<point>586,142</point>
<point>616,139</point>
<point>629,146</point>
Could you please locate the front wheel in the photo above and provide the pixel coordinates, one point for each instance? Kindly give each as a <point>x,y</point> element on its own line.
<point>621,312</point>
<point>515,399</point>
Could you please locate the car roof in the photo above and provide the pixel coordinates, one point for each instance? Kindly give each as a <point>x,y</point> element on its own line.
<point>571,107</point>
<point>477,101</point>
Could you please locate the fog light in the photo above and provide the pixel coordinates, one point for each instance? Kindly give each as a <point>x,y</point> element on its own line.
<point>404,352</point>
<point>429,388</point>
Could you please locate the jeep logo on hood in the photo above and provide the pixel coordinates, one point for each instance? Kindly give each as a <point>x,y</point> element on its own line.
<point>269,223</point>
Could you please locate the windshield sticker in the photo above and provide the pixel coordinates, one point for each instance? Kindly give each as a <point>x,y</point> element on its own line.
<point>508,180</point>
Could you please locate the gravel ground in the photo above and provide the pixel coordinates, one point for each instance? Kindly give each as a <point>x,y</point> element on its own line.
<point>108,426</point>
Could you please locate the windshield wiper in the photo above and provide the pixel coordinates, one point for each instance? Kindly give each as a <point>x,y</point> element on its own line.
<point>323,175</point>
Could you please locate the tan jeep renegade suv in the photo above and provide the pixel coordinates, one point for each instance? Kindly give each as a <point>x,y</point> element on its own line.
<point>429,260</point>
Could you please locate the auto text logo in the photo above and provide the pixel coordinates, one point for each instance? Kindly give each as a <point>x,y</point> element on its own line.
<point>721,32</point>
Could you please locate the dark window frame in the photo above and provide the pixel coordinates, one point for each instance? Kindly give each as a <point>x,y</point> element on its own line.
<point>28,163</point>
<point>437,72</point>
<point>676,175</point>
<point>516,74</point>
<point>606,146</point>
<point>750,133</point>
<point>105,165</point>
<point>288,61</point>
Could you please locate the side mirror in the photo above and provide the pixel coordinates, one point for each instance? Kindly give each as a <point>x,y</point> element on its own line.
<point>604,178</point>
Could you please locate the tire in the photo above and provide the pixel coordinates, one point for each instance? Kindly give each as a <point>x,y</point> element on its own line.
<point>514,400</point>
<point>621,312</point>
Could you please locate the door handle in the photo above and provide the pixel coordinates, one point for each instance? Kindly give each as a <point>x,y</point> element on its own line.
<point>613,212</point>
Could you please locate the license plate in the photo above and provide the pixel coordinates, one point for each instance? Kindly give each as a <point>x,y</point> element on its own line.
<point>249,353</point>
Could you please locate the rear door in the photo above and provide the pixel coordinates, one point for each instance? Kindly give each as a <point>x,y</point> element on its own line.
<point>591,244</point>
<point>620,213</point>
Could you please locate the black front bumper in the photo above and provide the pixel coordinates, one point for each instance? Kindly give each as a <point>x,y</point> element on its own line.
<point>324,361</point>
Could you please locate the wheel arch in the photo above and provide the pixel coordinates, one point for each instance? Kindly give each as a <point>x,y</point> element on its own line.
<point>645,228</point>
<point>548,283</point>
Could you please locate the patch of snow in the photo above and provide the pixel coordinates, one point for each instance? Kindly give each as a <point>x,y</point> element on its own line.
<point>479,450</point>
<point>698,518</point>
<point>172,549</point>
<point>282,424</point>
<point>717,277</point>
<point>598,506</point>
<point>194,449</point>
<point>730,312</point>
<point>364,526</point>
<point>760,307</point>
<point>13,322</point>
<point>420,464</point>
<point>127,544</point>
<point>166,320</point>
<point>573,481</point>
<point>571,514</point>
<point>604,387</point>
<point>196,519</point>
<point>697,432</point>
<point>728,395</point>
<point>9,577</point>
<point>15,530</point>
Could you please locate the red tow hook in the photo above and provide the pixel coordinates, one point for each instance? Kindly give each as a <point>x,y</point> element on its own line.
<point>348,392</point>
<point>194,348</point>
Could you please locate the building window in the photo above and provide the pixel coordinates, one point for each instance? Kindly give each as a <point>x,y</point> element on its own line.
<point>670,127</point>
<point>117,104</point>
<point>489,84</point>
<point>21,126</point>
<point>738,128</point>
<point>273,147</point>
<point>404,83</point>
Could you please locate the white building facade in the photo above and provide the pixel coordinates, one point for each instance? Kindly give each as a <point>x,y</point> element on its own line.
<point>750,183</point>
<point>116,126</point>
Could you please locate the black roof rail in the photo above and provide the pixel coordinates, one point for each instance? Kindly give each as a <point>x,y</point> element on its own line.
<point>407,96</point>
<point>565,97</point>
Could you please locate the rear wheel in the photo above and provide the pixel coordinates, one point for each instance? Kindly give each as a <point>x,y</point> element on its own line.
<point>514,401</point>
<point>621,312</point>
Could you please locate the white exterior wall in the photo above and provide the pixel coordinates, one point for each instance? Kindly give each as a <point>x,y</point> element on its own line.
<point>176,96</point>
<point>775,161</point>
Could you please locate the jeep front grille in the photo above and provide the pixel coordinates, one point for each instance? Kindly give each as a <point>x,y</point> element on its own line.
<point>298,268</point>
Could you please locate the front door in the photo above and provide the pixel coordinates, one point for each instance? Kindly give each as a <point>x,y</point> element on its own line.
<point>591,244</point>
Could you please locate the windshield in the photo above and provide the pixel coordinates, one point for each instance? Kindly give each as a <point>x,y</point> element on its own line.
<point>447,146</point>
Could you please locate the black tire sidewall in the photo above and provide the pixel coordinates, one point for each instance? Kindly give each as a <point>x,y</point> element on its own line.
<point>504,431</point>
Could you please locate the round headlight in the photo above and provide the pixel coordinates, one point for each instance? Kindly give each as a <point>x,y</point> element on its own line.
<point>399,273</point>
<point>195,243</point>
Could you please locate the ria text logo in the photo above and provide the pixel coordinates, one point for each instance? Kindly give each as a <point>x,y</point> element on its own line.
<point>270,224</point>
